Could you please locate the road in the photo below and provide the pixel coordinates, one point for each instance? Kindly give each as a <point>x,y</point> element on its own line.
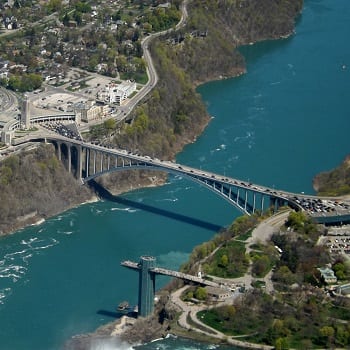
<point>151,71</point>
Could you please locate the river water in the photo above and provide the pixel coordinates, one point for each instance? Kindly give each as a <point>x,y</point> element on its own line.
<point>280,124</point>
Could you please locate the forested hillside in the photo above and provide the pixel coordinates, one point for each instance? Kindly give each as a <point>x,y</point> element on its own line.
<point>335,182</point>
<point>35,185</point>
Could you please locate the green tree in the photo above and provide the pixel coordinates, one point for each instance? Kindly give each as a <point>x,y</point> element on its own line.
<point>200,293</point>
<point>327,333</point>
<point>224,260</point>
<point>54,6</point>
<point>281,344</point>
<point>110,125</point>
<point>261,266</point>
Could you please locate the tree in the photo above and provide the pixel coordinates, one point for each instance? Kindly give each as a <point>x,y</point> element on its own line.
<point>110,125</point>
<point>327,333</point>
<point>340,270</point>
<point>281,344</point>
<point>224,260</point>
<point>54,6</point>
<point>261,266</point>
<point>284,275</point>
<point>200,293</point>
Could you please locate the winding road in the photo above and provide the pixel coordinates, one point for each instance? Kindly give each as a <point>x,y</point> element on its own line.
<point>151,71</point>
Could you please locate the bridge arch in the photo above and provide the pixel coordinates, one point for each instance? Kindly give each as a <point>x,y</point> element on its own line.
<point>91,160</point>
<point>246,200</point>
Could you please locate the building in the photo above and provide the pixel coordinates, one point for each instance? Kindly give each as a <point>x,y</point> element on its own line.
<point>88,111</point>
<point>327,275</point>
<point>117,93</point>
<point>343,290</point>
<point>217,294</point>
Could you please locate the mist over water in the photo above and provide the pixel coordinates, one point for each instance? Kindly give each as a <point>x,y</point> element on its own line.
<point>279,125</point>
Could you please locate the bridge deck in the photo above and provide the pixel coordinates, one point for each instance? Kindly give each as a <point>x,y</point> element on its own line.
<point>130,264</point>
<point>161,271</point>
<point>184,276</point>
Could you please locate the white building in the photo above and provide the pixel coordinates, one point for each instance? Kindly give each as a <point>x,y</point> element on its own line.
<point>117,93</point>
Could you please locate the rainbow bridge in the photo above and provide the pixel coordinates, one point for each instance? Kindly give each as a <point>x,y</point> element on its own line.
<point>87,161</point>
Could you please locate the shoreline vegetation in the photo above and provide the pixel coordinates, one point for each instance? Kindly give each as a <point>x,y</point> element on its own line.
<point>335,182</point>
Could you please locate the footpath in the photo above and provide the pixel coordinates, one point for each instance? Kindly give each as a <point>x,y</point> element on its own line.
<point>188,318</point>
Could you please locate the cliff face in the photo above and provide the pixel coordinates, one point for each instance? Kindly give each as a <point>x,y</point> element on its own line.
<point>35,185</point>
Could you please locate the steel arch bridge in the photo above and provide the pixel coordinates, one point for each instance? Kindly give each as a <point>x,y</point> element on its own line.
<point>88,161</point>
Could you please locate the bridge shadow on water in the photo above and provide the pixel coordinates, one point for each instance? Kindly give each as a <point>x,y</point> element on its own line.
<point>115,314</point>
<point>105,194</point>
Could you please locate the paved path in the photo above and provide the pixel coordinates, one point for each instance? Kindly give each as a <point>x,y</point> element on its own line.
<point>262,233</point>
<point>190,311</point>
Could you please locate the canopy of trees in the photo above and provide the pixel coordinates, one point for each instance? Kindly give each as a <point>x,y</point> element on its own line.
<point>335,182</point>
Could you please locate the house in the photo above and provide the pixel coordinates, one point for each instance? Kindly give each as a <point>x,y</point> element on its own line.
<point>217,294</point>
<point>327,275</point>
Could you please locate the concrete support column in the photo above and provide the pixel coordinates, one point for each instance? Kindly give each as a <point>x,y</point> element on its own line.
<point>254,194</point>
<point>245,200</point>
<point>108,162</point>
<point>237,196</point>
<point>94,164</point>
<point>87,162</point>
<point>101,163</point>
<point>69,151</point>
<point>262,203</point>
<point>273,204</point>
<point>79,165</point>
<point>59,153</point>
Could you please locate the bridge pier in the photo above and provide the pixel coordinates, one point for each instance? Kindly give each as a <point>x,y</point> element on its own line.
<point>101,162</point>
<point>87,162</point>
<point>79,165</point>
<point>69,154</point>
<point>94,163</point>
<point>59,153</point>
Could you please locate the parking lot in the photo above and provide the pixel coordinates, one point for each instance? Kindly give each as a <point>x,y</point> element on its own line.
<point>338,240</point>
<point>62,102</point>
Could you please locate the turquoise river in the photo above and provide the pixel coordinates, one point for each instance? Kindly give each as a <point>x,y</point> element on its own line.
<point>278,125</point>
